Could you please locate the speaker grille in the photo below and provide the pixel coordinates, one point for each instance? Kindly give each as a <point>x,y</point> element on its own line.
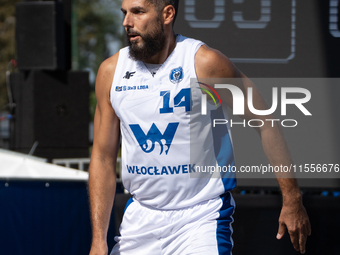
<point>40,35</point>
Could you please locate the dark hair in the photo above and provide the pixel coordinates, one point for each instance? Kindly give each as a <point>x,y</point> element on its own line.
<point>160,4</point>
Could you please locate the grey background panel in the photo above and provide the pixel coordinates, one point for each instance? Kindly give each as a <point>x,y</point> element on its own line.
<point>281,39</point>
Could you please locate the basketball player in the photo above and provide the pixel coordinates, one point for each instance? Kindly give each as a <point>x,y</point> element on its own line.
<point>144,94</point>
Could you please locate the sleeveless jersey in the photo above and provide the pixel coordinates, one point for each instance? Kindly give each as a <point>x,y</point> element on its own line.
<point>165,139</point>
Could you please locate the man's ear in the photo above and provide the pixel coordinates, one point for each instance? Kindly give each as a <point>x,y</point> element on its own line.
<point>168,14</point>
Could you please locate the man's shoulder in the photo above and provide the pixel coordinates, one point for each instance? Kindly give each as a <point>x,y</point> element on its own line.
<point>211,63</point>
<point>109,64</point>
<point>106,73</point>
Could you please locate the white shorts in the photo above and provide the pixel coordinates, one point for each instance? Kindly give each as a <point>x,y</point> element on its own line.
<point>201,229</point>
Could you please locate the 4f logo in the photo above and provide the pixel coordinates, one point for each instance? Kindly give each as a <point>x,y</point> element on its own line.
<point>128,75</point>
<point>147,141</point>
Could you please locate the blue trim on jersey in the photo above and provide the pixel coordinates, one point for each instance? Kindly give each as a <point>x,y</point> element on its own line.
<point>128,203</point>
<point>224,230</point>
<point>228,179</point>
<point>223,150</point>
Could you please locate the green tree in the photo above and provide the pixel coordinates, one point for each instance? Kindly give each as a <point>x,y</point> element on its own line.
<point>7,43</point>
<point>98,27</point>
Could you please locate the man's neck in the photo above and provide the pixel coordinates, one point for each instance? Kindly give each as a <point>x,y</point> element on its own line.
<point>161,56</point>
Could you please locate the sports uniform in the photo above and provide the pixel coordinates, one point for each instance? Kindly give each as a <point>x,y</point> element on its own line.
<point>164,139</point>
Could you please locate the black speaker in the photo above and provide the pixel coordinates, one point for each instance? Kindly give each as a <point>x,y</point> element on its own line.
<point>52,107</point>
<point>40,35</point>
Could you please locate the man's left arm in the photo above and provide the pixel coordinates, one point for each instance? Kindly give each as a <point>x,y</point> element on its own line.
<point>210,63</point>
<point>293,215</point>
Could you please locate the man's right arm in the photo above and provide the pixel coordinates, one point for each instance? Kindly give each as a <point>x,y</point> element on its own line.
<point>102,172</point>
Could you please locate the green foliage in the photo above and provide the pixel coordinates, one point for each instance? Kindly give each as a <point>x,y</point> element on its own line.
<point>7,43</point>
<point>95,21</point>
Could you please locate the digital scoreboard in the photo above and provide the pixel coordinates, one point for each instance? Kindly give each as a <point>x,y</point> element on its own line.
<point>268,38</point>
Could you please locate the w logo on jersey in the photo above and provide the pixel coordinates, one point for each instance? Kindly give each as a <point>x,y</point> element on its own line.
<point>147,142</point>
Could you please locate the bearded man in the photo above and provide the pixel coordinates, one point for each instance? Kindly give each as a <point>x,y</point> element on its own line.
<point>144,95</point>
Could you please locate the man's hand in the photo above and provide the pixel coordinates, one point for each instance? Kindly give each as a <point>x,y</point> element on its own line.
<point>294,217</point>
<point>99,249</point>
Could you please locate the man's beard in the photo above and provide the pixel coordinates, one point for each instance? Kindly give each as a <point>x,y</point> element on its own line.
<point>151,43</point>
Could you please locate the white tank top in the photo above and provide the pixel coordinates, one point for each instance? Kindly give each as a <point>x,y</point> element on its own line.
<point>157,119</point>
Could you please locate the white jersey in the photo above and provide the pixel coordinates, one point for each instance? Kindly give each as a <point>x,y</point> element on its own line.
<point>157,122</point>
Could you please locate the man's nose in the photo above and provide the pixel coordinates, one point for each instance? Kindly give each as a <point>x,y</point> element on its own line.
<point>127,22</point>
